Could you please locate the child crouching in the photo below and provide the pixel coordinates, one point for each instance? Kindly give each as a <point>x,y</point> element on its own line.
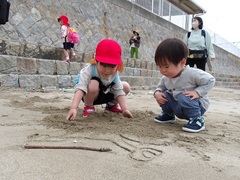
<point>183,90</point>
<point>99,82</point>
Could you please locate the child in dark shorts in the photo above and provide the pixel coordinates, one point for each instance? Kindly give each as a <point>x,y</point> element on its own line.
<point>67,46</point>
<point>99,82</point>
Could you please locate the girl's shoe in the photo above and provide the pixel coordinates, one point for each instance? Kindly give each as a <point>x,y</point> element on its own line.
<point>115,108</point>
<point>88,110</point>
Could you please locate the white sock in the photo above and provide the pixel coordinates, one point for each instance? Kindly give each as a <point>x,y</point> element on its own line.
<point>110,104</point>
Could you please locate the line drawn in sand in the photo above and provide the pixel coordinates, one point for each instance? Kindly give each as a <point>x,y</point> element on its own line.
<point>138,150</point>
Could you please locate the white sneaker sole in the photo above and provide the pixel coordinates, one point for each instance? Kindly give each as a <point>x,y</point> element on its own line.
<point>163,122</point>
<point>192,130</point>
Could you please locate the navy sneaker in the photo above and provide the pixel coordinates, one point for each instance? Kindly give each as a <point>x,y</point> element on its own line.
<point>195,125</point>
<point>165,118</point>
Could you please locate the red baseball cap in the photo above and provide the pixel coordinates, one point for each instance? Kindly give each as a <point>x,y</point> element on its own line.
<point>64,20</point>
<point>108,51</point>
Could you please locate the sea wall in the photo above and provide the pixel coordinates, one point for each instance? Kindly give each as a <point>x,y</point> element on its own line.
<point>33,30</point>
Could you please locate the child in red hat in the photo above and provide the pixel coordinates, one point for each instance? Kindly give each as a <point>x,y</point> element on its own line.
<point>67,46</point>
<point>99,82</point>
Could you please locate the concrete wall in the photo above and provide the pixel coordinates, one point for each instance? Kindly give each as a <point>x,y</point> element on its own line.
<point>33,30</point>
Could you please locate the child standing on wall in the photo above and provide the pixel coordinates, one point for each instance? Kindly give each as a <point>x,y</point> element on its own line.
<point>67,46</point>
<point>99,82</point>
<point>183,90</point>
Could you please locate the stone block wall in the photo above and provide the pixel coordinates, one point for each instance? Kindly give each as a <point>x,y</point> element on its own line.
<point>26,72</point>
<point>33,31</point>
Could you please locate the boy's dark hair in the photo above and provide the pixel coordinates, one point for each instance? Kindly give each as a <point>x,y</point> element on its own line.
<point>171,50</point>
<point>200,26</point>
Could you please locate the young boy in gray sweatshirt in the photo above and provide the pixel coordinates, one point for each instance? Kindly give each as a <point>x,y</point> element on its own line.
<point>183,90</point>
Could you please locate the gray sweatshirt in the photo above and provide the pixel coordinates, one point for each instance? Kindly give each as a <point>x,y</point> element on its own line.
<point>190,79</point>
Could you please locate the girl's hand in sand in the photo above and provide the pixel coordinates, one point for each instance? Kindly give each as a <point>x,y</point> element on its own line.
<point>127,114</point>
<point>71,114</point>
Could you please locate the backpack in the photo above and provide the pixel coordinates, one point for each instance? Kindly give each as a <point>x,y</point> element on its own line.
<point>73,36</point>
<point>203,34</point>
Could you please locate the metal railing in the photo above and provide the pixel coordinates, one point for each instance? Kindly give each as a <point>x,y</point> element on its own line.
<point>173,14</point>
<point>165,10</point>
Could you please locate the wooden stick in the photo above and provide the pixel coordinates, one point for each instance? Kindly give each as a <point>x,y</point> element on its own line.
<point>66,147</point>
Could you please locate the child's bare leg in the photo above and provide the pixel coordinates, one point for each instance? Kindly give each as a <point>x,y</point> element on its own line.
<point>72,52</point>
<point>126,89</point>
<point>73,55</point>
<point>93,90</point>
<point>66,55</point>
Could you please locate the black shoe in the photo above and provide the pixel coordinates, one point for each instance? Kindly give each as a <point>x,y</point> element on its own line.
<point>165,118</point>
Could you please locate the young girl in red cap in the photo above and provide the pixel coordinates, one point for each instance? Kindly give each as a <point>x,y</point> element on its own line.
<point>99,82</point>
<point>67,46</point>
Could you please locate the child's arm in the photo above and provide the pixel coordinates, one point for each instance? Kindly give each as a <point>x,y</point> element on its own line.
<point>76,100</point>
<point>123,104</point>
<point>63,32</point>
<point>205,82</point>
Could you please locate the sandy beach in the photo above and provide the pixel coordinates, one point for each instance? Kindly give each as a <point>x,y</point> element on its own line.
<point>137,148</point>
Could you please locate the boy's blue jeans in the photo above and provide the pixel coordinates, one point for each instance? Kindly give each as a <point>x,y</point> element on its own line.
<point>184,107</point>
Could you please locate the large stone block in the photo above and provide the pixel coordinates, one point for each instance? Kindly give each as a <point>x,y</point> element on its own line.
<point>49,81</point>
<point>134,80</point>
<point>143,65</point>
<point>47,67</point>
<point>26,65</point>
<point>128,71</point>
<point>32,81</point>
<point>75,67</point>
<point>149,65</point>
<point>131,62</point>
<point>138,64</point>
<point>136,72</point>
<point>64,81</point>
<point>8,64</point>
<point>9,80</point>
<point>144,72</point>
<point>62,67</point>
<point>156,74</point>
